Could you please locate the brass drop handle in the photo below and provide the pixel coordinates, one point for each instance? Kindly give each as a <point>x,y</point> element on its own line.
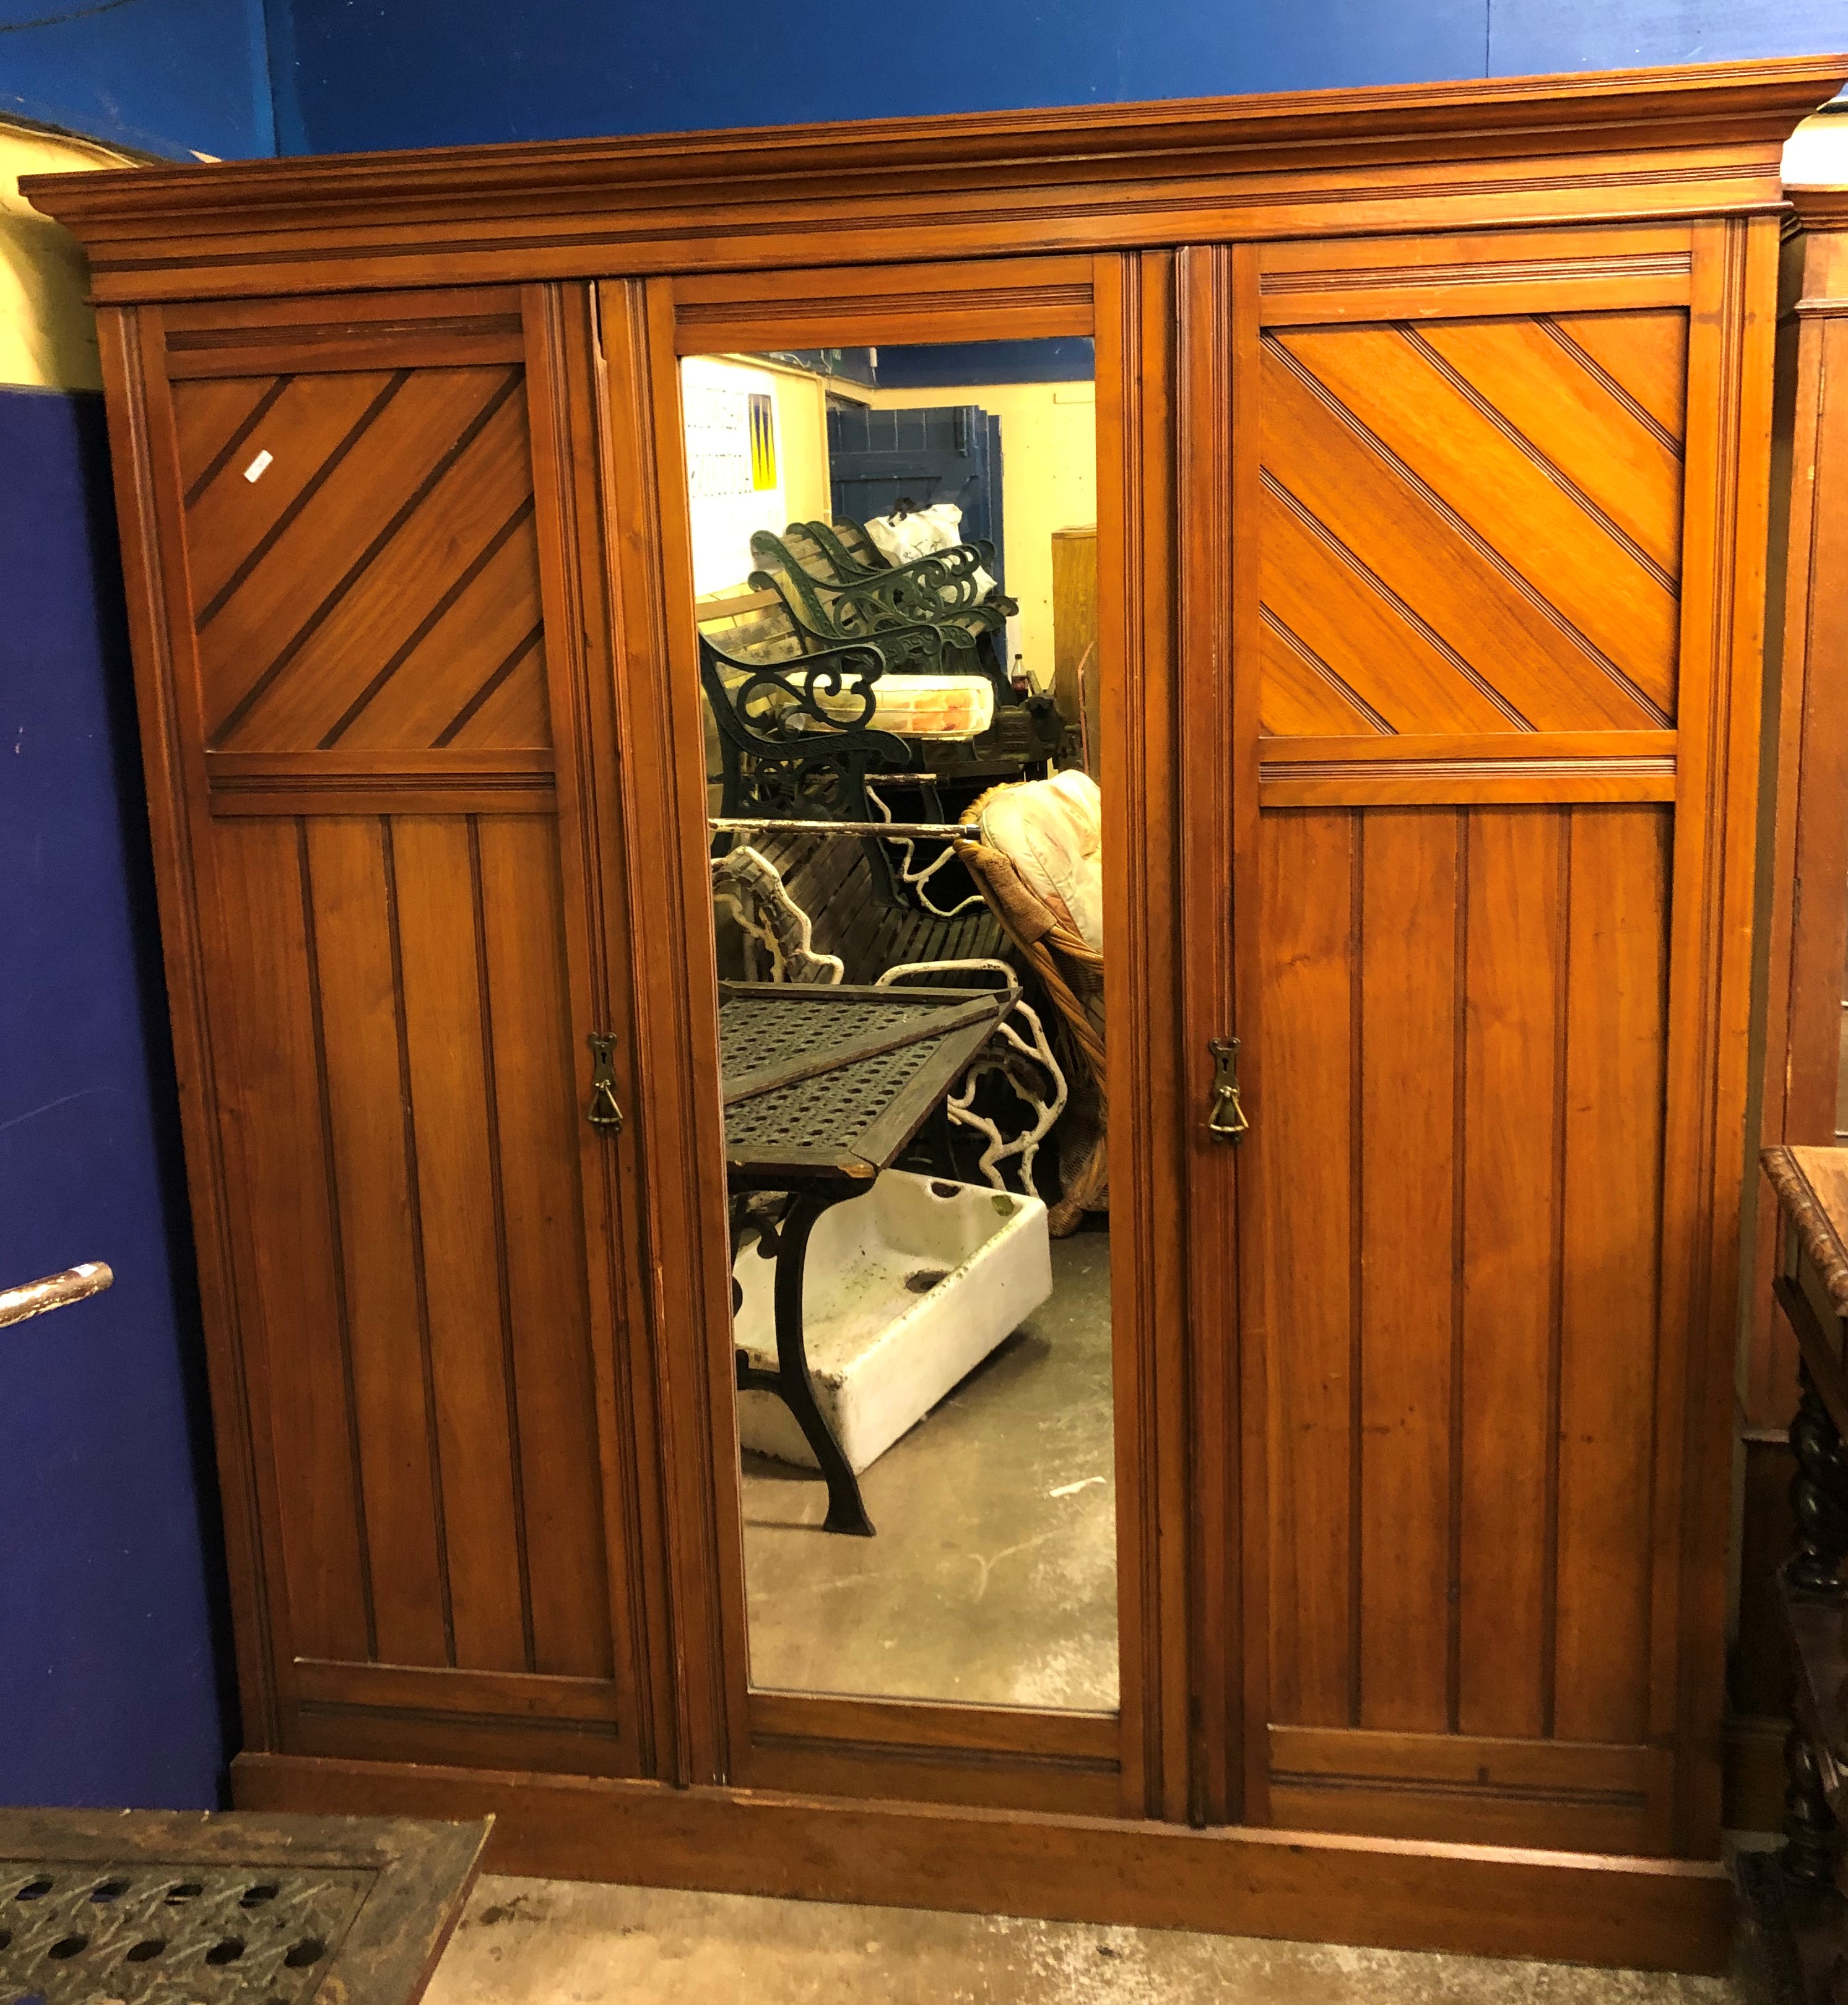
<point>1227,1122</point>
<point>603,1113</point>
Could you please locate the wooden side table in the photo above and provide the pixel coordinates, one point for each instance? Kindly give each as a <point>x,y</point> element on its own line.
<point>1811,1286</point>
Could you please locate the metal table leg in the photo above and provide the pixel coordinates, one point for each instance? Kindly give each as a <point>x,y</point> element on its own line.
<point>790,1381</point>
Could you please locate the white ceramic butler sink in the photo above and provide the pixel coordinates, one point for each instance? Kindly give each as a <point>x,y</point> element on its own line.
<point>907,1290</point>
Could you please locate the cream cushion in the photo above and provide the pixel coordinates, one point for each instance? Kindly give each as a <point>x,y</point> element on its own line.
<point>952,707</point>
<point>1052,831</point>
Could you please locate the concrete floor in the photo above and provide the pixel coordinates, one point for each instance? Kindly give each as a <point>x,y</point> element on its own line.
<point>993,1579</point>
<point>560,1942</point>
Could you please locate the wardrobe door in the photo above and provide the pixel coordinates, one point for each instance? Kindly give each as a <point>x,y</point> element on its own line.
<point>998,1627</point>
<point>370,737</point>
<point>1493,718</point>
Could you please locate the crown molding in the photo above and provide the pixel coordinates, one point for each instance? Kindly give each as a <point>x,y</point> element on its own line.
<point>1819,208</point>
<point>1702,139</point>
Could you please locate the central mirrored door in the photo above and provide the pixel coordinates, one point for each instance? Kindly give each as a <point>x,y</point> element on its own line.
<point>894,553</point>
<point>895,605</point>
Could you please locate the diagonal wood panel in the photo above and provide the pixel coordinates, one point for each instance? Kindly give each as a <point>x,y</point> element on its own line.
<point>352,496</point>
<point>1364,635</point>
<point>510,711</point>
<point>1502,497</point>
<point>424,677</point>
<point>1481,615</point>
<point>1472,524</point>
<point>1304,696</point>
<point>211,416</point>
<point>423,622</point>
<point>304,425</point>
<point>1642,355</point>
<point>397,536</point>
<point>1571,415</point>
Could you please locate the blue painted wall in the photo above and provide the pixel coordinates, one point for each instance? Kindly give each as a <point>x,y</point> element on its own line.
<point>172,77</point>
<point>349,77</point>
<point>113,1642</point>
<point>933,364</point>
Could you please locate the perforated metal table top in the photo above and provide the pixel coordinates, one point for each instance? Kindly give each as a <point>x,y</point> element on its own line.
<point>166,1908</point>
<point>829,1083</point>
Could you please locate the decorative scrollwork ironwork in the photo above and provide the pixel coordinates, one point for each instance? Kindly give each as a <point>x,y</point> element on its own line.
<point>850,548</point>
<point>944,591</point>
<point>794,736</point>
<point>910,647</point>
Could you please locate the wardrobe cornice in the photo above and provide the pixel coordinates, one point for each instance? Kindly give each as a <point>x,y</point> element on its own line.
<point>1701,140</point>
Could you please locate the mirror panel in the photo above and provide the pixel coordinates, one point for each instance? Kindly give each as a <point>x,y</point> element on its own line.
<point>895,571</point>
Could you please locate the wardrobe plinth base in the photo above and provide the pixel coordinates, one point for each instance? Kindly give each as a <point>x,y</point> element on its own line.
<point>1651,1914</point>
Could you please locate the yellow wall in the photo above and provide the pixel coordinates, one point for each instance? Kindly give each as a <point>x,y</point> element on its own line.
<point>802,431</point>
<point>1048,458</point>
<point>48,335</point>
<point>1049,475</point>
<point>722,530</point>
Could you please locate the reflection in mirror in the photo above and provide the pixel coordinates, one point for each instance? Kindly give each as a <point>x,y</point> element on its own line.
<point>895,563</point>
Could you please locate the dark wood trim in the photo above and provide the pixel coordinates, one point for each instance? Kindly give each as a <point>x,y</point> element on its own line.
<point>1139,670</point>
<point>1713,890</point>
<point>456,343</point>
<point>1664,142</point>
<point>1238,626</point>
<point>309,783</point>
<point>679,1122</point>
<point>1001,1756</point>
<point>1576,1796</point>
<point>1087,1738</point>
<point>1387,748</point>
<point>1428,277</point>
<point>1649,1914</point>
<point>1206,416</point>
<point>1040,297</point>
<point>505,1695</point>
<point>1329,783</point>
<point>178,828</point>
<point>572,491</point>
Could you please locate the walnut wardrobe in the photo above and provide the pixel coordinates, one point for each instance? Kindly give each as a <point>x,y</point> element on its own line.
<point>1432,467</point>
